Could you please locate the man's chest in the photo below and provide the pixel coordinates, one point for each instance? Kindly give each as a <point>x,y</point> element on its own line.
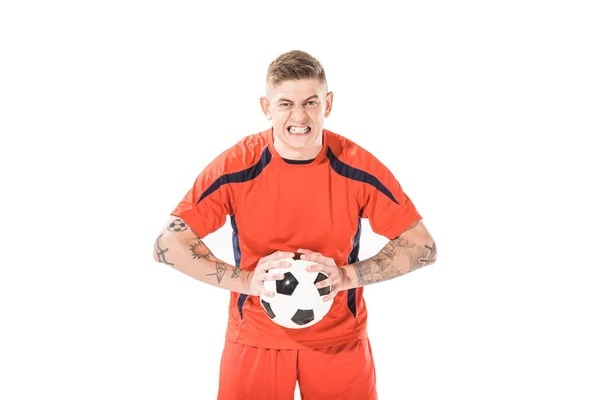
<point>316,210</point>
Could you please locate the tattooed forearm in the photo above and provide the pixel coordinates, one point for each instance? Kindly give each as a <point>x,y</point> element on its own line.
<point>199,250</point>
<point>183,250</point>
<point>380,267</point>
<point>160,253</point>
<point>397,258</point>
<point>177,226</point>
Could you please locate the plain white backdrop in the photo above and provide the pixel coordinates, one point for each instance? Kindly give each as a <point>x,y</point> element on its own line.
<point>486,112</point>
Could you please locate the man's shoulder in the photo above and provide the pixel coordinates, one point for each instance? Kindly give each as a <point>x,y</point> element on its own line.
<point>349,151</point>
<point>353,160</point>
<point>243,154</point>
<point>250,144</point>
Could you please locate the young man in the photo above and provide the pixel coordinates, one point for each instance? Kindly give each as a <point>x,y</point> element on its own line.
<point>296,189</point>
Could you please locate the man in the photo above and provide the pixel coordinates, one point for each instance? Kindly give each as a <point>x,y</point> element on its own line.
<point>293,190</point>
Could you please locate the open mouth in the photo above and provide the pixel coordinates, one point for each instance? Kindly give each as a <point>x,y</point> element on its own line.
<point>298,130</point>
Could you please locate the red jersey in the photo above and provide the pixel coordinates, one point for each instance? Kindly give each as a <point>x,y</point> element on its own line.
<point>278,204</point>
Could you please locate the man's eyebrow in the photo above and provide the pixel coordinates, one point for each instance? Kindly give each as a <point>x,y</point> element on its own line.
<point>290,101</point>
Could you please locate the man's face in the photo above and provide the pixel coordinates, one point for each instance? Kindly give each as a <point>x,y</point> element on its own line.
<point>297,109</point>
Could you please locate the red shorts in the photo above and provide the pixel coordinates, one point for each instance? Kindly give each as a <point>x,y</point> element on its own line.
<point>343,371</point>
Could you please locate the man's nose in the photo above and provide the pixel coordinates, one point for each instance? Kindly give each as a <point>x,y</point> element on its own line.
<point>299,112</point>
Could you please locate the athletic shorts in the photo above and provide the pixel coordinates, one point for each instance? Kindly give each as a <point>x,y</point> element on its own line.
<point>343,371</point>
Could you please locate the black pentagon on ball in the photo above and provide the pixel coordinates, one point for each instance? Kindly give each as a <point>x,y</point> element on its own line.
<point>267,308</point>
<point>325,290</point>
<point>303,317</point>
<point>287,285</point>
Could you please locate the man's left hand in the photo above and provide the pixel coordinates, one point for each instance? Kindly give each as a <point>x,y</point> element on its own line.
<point>337,276</point>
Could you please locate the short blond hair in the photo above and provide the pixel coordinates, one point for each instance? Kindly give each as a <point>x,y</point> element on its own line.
<point>295,65</point>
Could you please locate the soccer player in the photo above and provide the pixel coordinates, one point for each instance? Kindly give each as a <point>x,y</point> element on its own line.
<point>296,190</point>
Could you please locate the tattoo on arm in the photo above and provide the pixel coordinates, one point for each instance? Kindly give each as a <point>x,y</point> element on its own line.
<point>160,253</point>
<point>384,265</point>
<point>429,258</point>
<point>177,225</point>
<point>199,250</point>
<point>221,269</point>
<point>379,268</point>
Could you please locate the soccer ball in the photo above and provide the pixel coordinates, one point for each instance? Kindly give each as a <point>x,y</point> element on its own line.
<point>297,302</point>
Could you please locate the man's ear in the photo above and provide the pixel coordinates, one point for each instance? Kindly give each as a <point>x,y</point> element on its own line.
<point>328,104</point>
<point>266,107</point>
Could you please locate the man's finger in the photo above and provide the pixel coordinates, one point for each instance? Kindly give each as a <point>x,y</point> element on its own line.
<point>317,258</point>
<point>310,257</point>
<point>330,296</point>
<point>278,255</point>
<point>278,264</point>
<point>264,276</point>
<point>320,267</point>
<point>306,251</point>
<point>324,283</point>
<point>284,254</point>
<point>269,276</point>
<point>282,264</point>
<point>265,266</point>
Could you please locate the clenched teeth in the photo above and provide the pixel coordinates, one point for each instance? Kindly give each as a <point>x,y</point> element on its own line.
<point>298,130</point>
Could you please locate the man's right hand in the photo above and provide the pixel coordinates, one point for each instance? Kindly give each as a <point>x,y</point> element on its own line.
<point>260,274</point>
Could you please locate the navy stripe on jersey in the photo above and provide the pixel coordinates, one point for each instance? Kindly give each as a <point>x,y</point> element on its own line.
<point>352,258</point>
<point>237,255</point>
<point>358,175</point>
<point>241,176</point>
<point>241,302</point>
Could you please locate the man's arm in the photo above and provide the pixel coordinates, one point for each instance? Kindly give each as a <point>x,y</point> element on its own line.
<point>412,250</point>
<point>179,247</point>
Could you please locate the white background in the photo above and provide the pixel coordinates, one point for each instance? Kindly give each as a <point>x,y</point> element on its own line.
<point>486,112</point>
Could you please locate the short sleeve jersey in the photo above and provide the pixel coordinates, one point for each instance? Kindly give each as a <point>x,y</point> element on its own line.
<point>275,204</point>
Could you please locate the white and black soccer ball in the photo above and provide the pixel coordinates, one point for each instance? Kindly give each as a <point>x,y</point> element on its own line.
<point>297,302</point>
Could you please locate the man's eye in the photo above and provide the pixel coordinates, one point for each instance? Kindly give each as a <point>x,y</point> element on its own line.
<point>311,103</point>
<point>285,104</point>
